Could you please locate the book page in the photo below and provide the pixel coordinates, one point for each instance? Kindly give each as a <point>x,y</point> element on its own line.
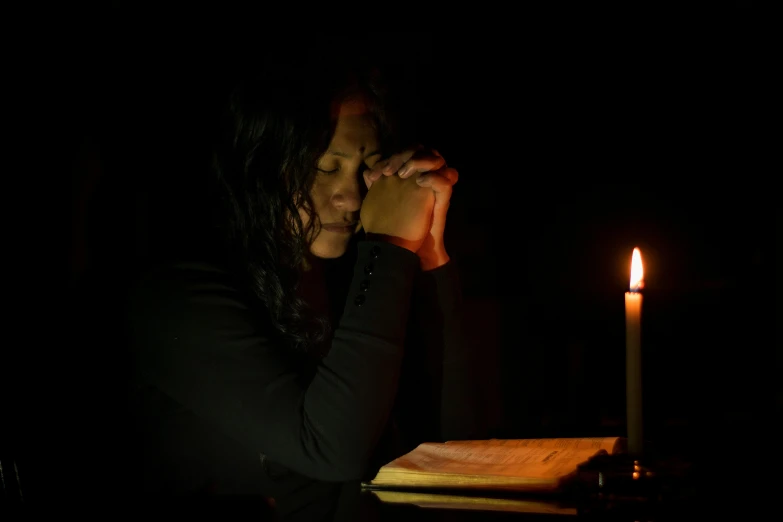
<point>528,458</point>
<point>441,501</point>
<point>595,443</point>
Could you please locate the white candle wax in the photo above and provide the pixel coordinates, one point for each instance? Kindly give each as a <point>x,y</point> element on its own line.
<point>633,355</point>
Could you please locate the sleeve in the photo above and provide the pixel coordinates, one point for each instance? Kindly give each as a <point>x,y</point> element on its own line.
<point>439,396</point>
<point>198,342</point>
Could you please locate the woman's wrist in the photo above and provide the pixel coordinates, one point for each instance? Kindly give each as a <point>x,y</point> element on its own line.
<point>413,246</point>
<point>432,259</point>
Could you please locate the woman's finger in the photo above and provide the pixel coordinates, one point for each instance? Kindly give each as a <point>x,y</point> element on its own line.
<point>398,160</point>
<point>450,173</point>
<point>440,181</point>
<point>428,163</point>
<point>391,165</point>
<point>379,166</point>
<point>370,177</point>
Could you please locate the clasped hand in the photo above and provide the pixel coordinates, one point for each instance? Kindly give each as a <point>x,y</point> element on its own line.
<point>407,202</point>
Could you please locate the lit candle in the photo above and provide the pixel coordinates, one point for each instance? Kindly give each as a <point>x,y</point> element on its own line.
<point>633,354</point>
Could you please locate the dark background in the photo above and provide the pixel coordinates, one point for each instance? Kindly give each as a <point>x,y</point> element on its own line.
<point>573,147</point>
<point>571,152</point>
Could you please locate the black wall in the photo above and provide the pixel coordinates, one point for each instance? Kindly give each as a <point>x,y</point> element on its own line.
<point>572,149</point>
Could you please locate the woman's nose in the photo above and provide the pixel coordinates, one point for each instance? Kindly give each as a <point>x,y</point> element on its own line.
<point>347,196</point>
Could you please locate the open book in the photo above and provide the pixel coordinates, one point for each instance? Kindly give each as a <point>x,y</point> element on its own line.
<point>442,501</point>
<point>524,465</point>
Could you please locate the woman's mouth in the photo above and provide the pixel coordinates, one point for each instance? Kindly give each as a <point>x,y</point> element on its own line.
<point>340,228</point>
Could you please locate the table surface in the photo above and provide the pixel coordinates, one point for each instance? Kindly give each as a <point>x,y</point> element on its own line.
<point>724,489</point>
<point>367,507</point>
<point>372,510</point>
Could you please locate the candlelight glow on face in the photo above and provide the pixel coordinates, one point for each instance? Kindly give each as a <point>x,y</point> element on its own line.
<point>637,272</point>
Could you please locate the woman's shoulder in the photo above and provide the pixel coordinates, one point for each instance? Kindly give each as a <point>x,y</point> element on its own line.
<point>185,276</point>
<point>198,288</point>
<point>187,272</point>
<point>183,308</point>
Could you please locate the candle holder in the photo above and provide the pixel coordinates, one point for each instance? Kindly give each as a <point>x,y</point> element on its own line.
<point>636,487</point>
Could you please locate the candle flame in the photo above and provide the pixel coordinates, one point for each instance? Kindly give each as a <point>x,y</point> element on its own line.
<point>637,272</point>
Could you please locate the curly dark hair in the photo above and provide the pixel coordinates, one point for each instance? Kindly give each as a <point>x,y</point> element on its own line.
<point>278,124</point>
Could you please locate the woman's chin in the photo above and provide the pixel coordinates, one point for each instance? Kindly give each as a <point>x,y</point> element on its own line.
<point>332,250</point>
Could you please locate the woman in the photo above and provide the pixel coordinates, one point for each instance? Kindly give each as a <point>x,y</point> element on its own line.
<point>320,339</point>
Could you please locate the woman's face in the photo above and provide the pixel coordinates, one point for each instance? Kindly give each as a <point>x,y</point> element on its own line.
<point>336,192</point>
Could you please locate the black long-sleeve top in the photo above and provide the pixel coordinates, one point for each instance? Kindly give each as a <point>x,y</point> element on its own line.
<point>218,404</point>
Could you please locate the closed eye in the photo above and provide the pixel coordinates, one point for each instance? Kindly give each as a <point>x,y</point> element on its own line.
<point>328,171</point>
